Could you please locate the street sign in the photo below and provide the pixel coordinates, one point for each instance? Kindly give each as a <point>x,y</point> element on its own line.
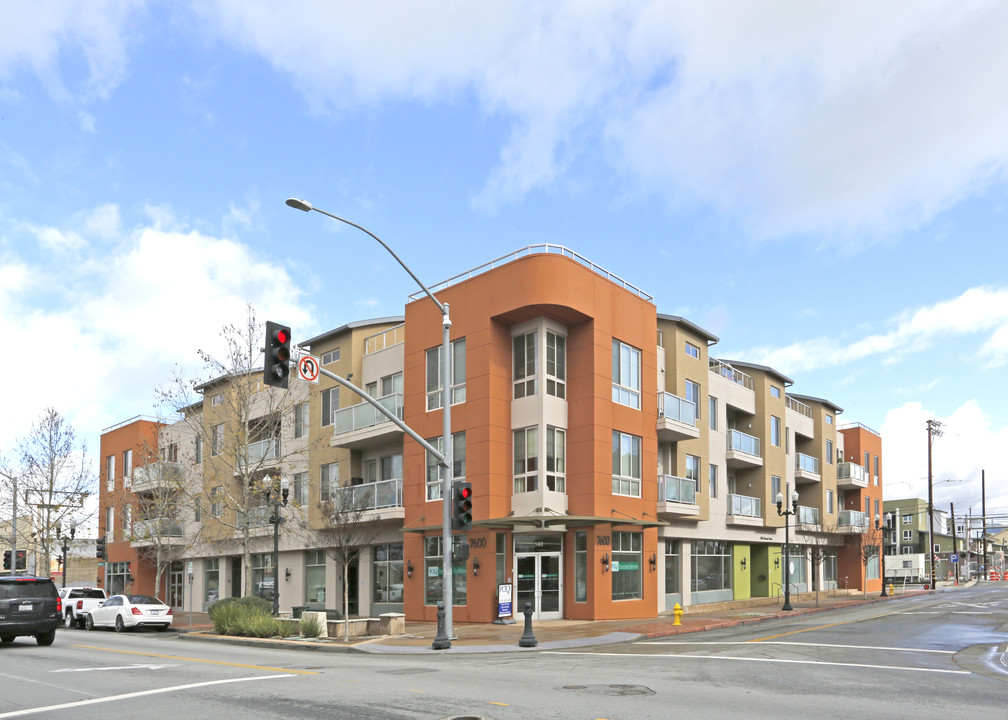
<point>954,558</point>
<point>308,368</point>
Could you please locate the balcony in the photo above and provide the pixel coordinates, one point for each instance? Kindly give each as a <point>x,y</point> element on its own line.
<point>260,451</point>
<point>743,450</point>
<point>745,510</point>
<point>733,387</point>
<point>799,417</point>
<point>808,515</point>
<point>676,418</point>
<point>806,468</point>
<point>851,475</point>
<point>676,496</point>
<point>163,476</point>
<point>362,425</point>
<point>384,496</point>
<point>852,521</point>
<point>163,531</point>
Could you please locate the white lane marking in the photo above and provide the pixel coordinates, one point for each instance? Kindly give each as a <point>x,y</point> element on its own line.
<point>750,643</point>
<point>120,667</point>
<point>770,660</point>
<point>130,696</point>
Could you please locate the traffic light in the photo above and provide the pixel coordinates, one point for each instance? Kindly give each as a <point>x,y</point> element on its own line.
<point>6,559</point>
<point>461,505</point>
<point>20,559</point>
<point>276,371</point>
<point>100,548</point>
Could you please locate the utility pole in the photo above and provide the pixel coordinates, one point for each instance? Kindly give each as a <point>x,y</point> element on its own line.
<point>955,539</point>
<point>983,509</point>
<point>934,429</point>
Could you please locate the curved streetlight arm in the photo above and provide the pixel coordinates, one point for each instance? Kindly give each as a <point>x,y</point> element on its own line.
<point>306,206</point>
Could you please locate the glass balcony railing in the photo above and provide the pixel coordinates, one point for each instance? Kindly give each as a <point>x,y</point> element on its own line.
<point>676,489</point>
<point>727,371</point>
<point>852,518</point>
<point>371,496</point>
<point>745,506</point>
<point>260,515</point>
<point>808,515</point>
<point>807,463</point>
<point>261,450</point>
<point>156,528</point>
<point>852,471</point>
<point>364,415</point>
<point>740,442</point>
<point>676,408</point>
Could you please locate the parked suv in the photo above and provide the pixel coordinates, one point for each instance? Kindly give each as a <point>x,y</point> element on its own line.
<point>78,602</point>
<point>29,606</point>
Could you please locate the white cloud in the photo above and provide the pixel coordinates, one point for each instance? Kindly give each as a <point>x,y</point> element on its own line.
<point>56,240</point>
<point>976,311</point>
<point>103,221</point>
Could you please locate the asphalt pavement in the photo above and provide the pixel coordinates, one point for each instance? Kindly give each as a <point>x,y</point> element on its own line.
<point>556,634</point>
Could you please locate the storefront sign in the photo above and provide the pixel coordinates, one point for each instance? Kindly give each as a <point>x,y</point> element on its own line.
<point>504,600</point>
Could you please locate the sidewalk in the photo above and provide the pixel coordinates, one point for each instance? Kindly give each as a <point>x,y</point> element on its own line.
<point>558,634</point>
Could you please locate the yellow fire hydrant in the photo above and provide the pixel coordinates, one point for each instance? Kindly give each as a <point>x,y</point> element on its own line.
<point>677,614</point>
<point>892,590</point>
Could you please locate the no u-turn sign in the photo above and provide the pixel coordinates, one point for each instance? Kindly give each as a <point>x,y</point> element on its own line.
<point>308,368</point>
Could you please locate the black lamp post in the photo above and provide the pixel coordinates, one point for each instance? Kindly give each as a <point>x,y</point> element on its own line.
<point>278,500</point>
<point>787,541</point>
<point>66,544</point>
<point>888,522</point>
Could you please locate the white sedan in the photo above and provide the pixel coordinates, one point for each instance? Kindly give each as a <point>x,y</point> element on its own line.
<point>130,611</point>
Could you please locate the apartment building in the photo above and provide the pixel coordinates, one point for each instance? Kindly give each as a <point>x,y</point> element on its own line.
<point>618,466</point>
<point>908,542</point>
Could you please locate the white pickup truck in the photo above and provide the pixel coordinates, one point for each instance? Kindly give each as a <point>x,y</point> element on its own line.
<point>78,602</point>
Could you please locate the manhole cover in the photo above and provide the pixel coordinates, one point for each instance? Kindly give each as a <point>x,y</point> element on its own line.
<point>611,690</point>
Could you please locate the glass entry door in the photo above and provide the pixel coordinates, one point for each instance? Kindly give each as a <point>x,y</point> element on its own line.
<point>538,582</point>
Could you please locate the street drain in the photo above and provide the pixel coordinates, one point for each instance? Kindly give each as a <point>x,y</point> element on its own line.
<point>612,690</point>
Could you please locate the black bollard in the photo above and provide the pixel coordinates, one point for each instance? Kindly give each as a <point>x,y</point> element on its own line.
<point>442,641</point>
<point>527,638</point>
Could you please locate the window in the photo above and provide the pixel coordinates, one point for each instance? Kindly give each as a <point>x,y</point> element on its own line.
<point>712,411</point>
<point>627,559</point>
<point>829,452</point>
<point>127,520</point>
<point>263,577</point>
<point>673,565</point>
<point>556,459</point>
<point>331,357</point>
<point>908,519</point>
<point>712,480</point>
<point>315,576</point>
<point>774,391</point>
<point>330,404</point>
<point>198,449</point>
<point>907,535</point>
<point>299,489</point>
<point>458,374</point>
<point>907,550</point>
<point>211,579</point>
<point>872,566</point>
<point>867,508</point>
<point>197,510</point>
<point>693,395</point>
<point>711,566</point>
<point>692,350</point>
<point>556,365</point>
<point>432,573</point>
<point>829,502</point>
<point>328,480</point>
<point>391,384</point>
<point>110,473</point>
<point>128,463</point>
<point>829,419</point>
<point>774,487</point>
<point>775,431</point>
<point>879,516</point>
<point>524,361</point>
<point>580,566</point>
<point>626,464</point>
<point>936,548</point>
<point>867,467</point>
<point>388,573</point>
<point>501,555</point>
<point>216,438</point>
<point>372,389</point>
<point>434,470</point>
<point>171,452</point>
<point>216,501</point>
<point>301,420</point>
<point>626,364</point>
<point>216,400</point>
<point>109,524</point>
<point>875,462</point>
<point>526,460</point>
<point>693,469</point>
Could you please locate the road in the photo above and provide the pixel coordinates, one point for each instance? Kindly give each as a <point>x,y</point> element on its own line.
<point>933,656</point>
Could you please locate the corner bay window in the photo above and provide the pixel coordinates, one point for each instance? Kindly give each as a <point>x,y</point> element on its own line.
<point>458,374</point>
<point>526,461</point>
<point>524,358</point>
<point>627,557</point>
<point>432,573</point>
<point>626,464</point>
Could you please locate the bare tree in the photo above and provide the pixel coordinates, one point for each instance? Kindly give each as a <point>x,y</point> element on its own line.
<point>238,420</point>
<point>869,545</point>
<point>55,478</point>
<point>821,541</point>
<point>349,523</point>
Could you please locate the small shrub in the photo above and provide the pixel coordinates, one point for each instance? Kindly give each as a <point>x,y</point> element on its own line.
<point>311,626</point>
<point>247,601</point>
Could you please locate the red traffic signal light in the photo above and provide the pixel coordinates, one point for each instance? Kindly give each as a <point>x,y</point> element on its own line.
<point>276,370</point>
<point>461,505</point>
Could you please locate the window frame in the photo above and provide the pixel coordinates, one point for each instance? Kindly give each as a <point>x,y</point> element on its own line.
<point>458,373</point>
<point>329,405</point>
<point>626,481</point>
<point>525,468</point>
<point>433,472</point>
<point>626,374</point>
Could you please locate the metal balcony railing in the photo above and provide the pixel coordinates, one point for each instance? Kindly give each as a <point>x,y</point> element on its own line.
<point>806,463</point>
<point>745,506</point>
<point>260,450</point>
<point>798,406</point>
<point>676,489</point>
<point>852,518</point>
<point>727,371</point>
<point>741,442</point>
<point>674,407</point>
<point>364,415</point>
<point>386,338</point>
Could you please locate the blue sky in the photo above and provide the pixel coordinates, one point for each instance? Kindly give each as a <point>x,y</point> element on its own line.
<point>821,185</point>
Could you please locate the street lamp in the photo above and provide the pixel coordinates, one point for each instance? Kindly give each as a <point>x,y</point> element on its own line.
<point>66,544</point>
<point>888,522</point>
<point>787,550</point>
<point>443,639</point>
<point>279,499</point>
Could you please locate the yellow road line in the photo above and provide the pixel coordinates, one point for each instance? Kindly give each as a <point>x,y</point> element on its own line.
<point>491,702</point>
<point>198,660</point>
<point>821,627</point>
